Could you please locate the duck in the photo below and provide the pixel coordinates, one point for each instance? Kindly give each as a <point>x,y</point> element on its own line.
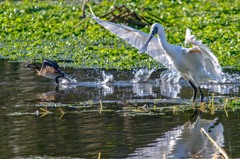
<point>49,69</point>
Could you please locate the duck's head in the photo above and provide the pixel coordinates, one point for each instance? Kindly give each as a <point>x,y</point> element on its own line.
<point>33,66</point>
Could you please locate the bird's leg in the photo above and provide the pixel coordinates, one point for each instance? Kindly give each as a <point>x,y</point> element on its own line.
<point>202,96</point>
<point>194,89</point>
<point>195,114</point>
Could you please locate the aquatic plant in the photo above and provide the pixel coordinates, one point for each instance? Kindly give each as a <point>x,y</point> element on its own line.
<point>53,29</point>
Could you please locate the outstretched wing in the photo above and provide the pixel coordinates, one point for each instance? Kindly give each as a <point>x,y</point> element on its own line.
<point>50,63</point>
<point>211,61</point>
<point>48,69</point>
<point>137,39</point>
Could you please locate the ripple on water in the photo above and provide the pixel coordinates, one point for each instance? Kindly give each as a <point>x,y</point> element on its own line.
<point>125,128</point>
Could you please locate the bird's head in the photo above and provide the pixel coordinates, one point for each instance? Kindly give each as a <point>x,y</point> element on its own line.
<point>33,66</point>
<point>155,29</point>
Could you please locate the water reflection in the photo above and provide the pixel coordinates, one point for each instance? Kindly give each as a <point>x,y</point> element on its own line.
<point>85,134</point>
<point>186,141</point>
<point>48,96</point>
<point>81,133</point>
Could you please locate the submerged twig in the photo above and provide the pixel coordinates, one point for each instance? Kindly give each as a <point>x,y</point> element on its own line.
<point>155,104</point>
<point>101,106</point>
<point>215,144</point>
<point>175,109</point>
<point>62,113</point>
<point>213,99</point>
<point>99,155</point>
<point>225,106</point>
<point>211,105</point>
<point>45,112</point>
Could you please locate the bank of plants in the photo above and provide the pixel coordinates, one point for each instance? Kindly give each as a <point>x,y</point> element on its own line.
<point>31,31</point>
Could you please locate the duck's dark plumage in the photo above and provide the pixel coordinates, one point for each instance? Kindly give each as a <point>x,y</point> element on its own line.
<point>49,69</point>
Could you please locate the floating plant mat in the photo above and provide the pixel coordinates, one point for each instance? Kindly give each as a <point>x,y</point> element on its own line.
<point>54,29</point>
<point>132,107</point>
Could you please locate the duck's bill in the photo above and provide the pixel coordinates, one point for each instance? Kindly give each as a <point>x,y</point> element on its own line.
<point>32,66</point>
<point>29,65</point>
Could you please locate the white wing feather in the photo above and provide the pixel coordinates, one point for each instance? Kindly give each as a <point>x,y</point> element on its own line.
<point>211,61</point>
<point>137,39</point>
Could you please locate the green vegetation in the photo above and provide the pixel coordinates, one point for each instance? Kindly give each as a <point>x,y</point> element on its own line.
<point>226,105</point>
<point>54,30</point>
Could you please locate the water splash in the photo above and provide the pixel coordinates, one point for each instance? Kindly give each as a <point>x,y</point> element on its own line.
<point>173,76</point>
<point>170,82</point>
<point>67,80</point>
<point>106,83</point>
<point>230,83</point>
<point>107,78</point>
<point>231,78</point>
<point>142,75</point>
<point>170,76</point>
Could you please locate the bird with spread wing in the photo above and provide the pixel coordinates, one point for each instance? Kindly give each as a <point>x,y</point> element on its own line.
<point>196,65</point>
<point>50,69</point>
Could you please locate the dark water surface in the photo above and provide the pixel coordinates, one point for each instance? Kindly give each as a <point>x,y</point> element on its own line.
<point>113,119</point>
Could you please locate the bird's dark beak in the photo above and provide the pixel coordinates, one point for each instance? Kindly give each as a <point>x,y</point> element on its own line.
<point>144,48</point>
<point>32,66</point>
<point>29,66</point>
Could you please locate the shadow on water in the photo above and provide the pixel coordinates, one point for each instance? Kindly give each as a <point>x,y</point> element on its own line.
<point>121,118</point>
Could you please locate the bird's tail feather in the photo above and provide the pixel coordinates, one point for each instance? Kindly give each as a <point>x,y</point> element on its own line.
<point>191,39</point>
<point>212,64</point>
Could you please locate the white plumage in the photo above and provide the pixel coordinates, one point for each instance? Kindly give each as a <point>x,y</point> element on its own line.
<point>197,64</point>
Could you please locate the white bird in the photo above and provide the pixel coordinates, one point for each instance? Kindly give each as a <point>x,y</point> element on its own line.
<point>197,64</point>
